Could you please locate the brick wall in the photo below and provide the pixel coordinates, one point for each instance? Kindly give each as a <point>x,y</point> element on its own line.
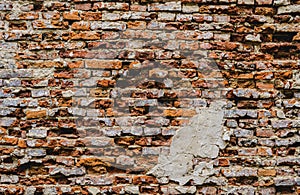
<point>92,93</point>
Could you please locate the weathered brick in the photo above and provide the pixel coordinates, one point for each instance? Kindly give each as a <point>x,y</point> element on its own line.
<point>68,171</point>
<point>73,123</point>
<point>284,181</point>
<point>9,179</point>
<point>103,64</point>
<point>264,152</point>
<point>239,172</point>
<point>22,16</point>
<point>263,2</point>
<point>36,152</point>
<point>111,6</point>
<point>6,6</point>
<point>71,15</point>
<point>168,6</point>
<point>83,6</point>
<point>85,36</point>
<point>245,2</point>
<point>91,16</point>
<point>81,25</point>
<point>108,26</point>
<point>36,114</point>
<point>186,8</point>
<point>266,172</point>
<point>164,16</point>
<point>37,133</point>
<point>47,24</point>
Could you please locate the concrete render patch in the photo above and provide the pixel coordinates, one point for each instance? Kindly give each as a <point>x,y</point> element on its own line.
<point>203,137</point>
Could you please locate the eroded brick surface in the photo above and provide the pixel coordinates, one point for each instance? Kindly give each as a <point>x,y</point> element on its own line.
<point>77,117</point>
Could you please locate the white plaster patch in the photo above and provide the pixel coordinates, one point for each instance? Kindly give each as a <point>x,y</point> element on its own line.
<point>203,137</point>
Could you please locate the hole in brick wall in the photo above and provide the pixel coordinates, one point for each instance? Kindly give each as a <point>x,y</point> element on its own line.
<point>296,144</point>
<point>23,93</point>
<point>38,192</point>
<point>139,110</point>
<point>284,36</point>
<point>17,26</point>
<point>15,133</point>
<point>61,179</point>
<point>8,160</point>
<point>27,166</point>
<point>167,102</point>
<point>291,151</point>
<point>285,189</point>
<point>288,93</point>
<point>67,131</point>
<point>37,6</point>
<point>243,180</point>
<point>38,170</point>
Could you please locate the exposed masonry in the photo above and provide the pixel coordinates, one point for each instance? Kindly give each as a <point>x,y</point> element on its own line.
<point>48,47</point>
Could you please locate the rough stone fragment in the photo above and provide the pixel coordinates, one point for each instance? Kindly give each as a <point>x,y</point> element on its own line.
<point>253,38</point>
<point>241,190</point>
<point>9,179</point>
<point>40,93</point>
<point>49,191</point>
<point>36,152</point>
<point>152,131</point>
<point>132,189</point>
<point>164,16</point>
<point>94,190</point>
<point>37,133</point>
<point>77,171</point>
<point>186,190</point>
<point>30,190</point>
<point>108,26</point>
<point>245,2</point>
<point>240,172</point>
<point>6,122</point>
<point>94,180</point>
<point>125,160</point>
<point>190,8</point>
<point>168,6</point>
<point>6,6</point>
<point>289,9</point>
<point>282,181</point>
<point>281,2</point>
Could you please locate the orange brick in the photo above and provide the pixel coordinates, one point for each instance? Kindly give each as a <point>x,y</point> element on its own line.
<point>36,114</point>
<point>103,64</point>
<point>81,25</point>
<point>266,172</point>
<point>262,85</point>
<point>264,151</point>
<point>71,15</point>
<point>173,113</point>
<point>136,25</point>
<point>22,143</point>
